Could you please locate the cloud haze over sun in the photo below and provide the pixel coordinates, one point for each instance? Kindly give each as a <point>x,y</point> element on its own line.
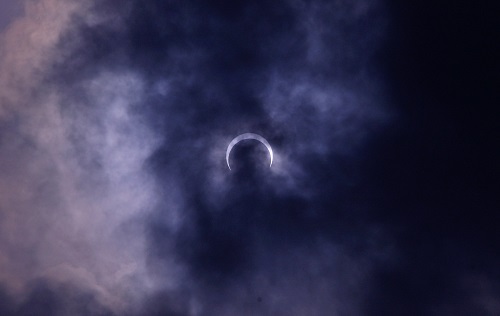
<point>281,157</point>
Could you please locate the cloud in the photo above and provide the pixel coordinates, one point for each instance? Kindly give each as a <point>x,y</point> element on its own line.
<point>114,193</point>
<point>73,191</point>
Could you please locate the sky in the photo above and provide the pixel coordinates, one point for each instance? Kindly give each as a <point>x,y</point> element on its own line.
<point>115,195</point>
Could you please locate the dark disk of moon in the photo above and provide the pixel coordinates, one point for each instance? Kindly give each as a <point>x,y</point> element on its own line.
<point>241,137</point>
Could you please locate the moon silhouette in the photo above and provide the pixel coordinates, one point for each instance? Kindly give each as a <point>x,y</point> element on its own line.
<point>241,137</point>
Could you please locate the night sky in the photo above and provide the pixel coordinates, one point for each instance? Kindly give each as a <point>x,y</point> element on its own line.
<point>115,195</point>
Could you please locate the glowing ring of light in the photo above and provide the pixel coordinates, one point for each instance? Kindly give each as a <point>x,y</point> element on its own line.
<point>241,137</point>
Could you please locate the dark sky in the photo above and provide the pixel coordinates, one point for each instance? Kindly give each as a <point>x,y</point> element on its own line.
<point>115,196</point>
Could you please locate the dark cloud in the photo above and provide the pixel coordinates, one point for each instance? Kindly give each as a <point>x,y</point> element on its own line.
<point>380,200</point>
<point>9,11</point>
<point>44,298</point>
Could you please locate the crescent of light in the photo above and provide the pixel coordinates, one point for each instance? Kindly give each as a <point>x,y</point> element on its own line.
<point>241,137</point>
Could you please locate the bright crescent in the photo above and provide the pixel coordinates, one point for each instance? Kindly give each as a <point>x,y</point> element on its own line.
<point>241,137</point>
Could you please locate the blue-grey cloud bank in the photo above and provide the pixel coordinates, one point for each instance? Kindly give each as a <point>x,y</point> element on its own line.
<point>115,196</point>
